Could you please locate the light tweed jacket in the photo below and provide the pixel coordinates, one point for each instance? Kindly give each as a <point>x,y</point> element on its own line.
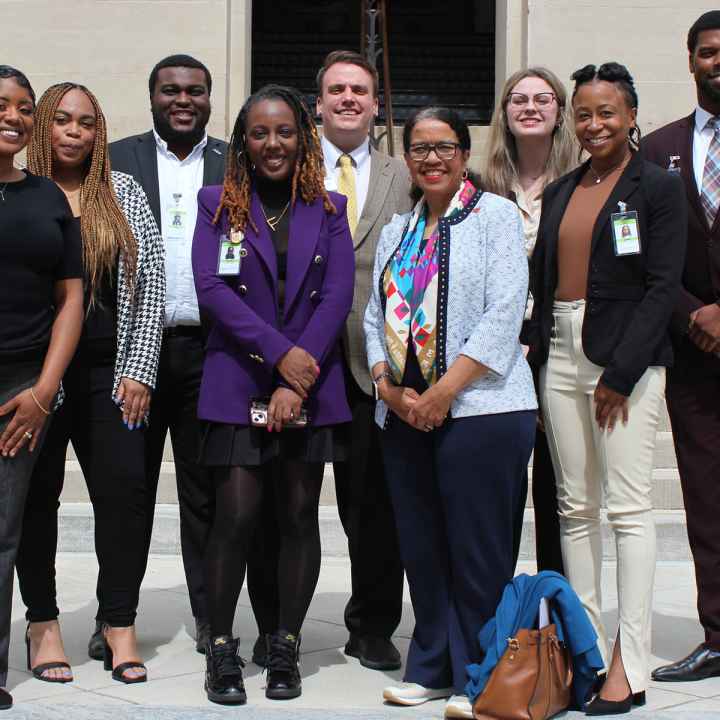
<point>483,284</point>
<point>141,311</point>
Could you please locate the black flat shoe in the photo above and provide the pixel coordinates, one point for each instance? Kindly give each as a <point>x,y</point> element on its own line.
<point>38,670</point>
<point>118,673</point>
<point>96,644</point>
<point>223,673</point>
<point>202,635</point>
<point>375,653</point>
<point>283,674</point>
<point>702,663</point>
<point>260,650</point>
<point>6,700</point>
<point>598,706</point>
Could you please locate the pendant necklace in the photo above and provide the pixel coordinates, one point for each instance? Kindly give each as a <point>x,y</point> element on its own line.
<point>601,176</point>
<point>2,191</point>
<point>273,220</point>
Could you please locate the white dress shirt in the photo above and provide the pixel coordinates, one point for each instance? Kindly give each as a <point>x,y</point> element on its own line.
<point>701,144</point>
<point>179,182</point>
<point>361,163</point>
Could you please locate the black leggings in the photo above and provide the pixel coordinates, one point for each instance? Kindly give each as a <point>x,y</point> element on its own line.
<point>112,459</point>
<point>238,502</point>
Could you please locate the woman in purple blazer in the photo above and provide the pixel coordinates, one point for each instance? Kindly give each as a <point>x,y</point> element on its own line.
<point>275,308</point>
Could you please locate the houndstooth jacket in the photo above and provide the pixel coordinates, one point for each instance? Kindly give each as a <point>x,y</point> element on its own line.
<point>140,313</point>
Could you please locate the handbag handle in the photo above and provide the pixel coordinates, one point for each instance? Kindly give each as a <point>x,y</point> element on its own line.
<point>555,653</point>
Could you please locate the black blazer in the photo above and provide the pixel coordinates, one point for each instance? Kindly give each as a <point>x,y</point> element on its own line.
<point>137,156</point>
<point>629,299</point>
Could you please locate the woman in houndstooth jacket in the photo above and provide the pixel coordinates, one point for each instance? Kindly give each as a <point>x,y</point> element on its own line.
<point>108,387</point>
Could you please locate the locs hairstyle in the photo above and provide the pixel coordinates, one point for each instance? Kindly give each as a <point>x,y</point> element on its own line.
<point>173,61</point>
<point>620,76</point>
<point>449,117</point>
<point>707,21</point>
<point>308,176</point>
<point>7,72</point>
<point>103,226</point>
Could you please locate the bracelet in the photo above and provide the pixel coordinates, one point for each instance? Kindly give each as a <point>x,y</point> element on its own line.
<point>37,402</point>
<point>385,375</point>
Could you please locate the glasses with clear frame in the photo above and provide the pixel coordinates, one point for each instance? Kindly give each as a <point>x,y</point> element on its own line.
<point>443,150</point>
<point>540,100</point>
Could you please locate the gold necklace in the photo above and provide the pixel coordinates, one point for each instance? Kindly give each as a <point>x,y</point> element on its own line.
<point>273,220</point>
<point>600,177</point>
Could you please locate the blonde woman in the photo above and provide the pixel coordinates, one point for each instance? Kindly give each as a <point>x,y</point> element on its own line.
<point>530,145</point>
<point>108,386</point>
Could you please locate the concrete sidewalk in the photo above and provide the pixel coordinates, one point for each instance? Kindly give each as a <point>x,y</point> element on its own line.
<point>334,686</point>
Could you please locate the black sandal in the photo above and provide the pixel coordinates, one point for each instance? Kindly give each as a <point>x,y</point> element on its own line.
<point>38,670</point>
<point>117,672</point>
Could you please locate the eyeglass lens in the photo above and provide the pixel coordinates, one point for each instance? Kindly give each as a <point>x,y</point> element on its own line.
<point>444,151</point>
<point>539,100</point>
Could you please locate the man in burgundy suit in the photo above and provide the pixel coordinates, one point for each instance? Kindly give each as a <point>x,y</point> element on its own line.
<point>691,147</point>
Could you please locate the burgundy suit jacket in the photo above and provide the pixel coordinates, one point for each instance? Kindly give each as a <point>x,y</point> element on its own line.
<point>248,334</point>
<point>701,274</point>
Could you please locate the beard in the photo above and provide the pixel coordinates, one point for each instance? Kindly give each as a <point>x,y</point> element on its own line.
<point>710,90</point>
<point>172,136</point>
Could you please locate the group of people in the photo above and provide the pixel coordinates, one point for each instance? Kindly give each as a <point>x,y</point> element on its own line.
<point>289,300</point>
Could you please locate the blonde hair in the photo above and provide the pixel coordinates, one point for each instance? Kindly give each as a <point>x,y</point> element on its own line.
<point>103,225</point>
<point>501,171</point>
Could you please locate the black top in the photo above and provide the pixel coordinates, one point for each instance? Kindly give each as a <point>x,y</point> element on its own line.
<point>275,197</point>
<point>630,298</point>
<point>39,245</point>
<point>101,320</point>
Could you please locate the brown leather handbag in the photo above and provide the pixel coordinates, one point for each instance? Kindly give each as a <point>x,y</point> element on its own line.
<point>532,680</point>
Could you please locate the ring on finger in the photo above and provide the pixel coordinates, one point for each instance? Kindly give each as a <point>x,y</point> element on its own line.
<point>27,434</point>
<point>428,427</point>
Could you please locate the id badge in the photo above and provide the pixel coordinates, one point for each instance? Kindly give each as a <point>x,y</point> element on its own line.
<point>230,254</point>
<point>626,233</point>
<point>175,223</point>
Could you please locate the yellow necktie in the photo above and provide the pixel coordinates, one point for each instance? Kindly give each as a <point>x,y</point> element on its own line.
<point>346,186</point>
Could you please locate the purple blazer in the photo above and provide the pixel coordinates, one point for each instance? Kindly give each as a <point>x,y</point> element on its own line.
<point>245,342</point>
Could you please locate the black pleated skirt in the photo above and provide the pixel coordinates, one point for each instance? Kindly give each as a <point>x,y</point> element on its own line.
<point>227,445</point>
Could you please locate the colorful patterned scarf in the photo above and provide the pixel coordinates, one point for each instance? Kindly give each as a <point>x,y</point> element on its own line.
<point>410,284</point>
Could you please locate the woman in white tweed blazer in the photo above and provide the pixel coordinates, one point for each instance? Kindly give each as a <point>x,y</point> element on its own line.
<point>456,400</point>
<point>107,386</point>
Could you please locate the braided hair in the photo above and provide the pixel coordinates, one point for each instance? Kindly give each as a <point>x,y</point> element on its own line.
<point>308,176</point>
<point>620,76</point>
<point>103,225</point>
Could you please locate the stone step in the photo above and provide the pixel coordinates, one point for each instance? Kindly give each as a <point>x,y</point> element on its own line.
<point>76,533</point>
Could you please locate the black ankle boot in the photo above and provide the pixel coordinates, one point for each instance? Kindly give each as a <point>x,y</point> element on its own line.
<point>283,674</point>
<point>223,677</point>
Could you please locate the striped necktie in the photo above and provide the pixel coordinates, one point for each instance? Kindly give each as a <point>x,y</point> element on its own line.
<point>346,186</point>
<point>710,194</point>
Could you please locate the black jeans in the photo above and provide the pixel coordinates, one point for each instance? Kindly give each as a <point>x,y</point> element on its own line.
<point>112,459</point>
<point>14,482</point>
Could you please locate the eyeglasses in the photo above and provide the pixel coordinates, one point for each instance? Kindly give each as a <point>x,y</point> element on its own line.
<point>540,100</point>
<point>443,150</point>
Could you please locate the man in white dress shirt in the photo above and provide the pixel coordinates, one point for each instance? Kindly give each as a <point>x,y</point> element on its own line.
<point>172,162</point>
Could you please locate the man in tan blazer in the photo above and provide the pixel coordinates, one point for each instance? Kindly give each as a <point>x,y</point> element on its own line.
<point>377,187</point>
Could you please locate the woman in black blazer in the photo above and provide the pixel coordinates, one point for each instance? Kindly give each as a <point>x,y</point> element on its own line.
<point>605,276</point>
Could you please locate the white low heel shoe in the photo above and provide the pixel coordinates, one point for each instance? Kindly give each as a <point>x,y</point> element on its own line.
<point>458,706</point>
<point>413,694</point>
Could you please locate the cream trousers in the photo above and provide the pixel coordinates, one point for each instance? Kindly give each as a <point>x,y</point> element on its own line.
<point>589,463</point>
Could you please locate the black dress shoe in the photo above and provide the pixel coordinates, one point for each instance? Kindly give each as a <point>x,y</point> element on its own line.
<point>376,653</point>
<point>283,674</point>
<point>260,650</point>
<point>703,662</point>
<point>598,706</point>
<point>96,644</point>
<point>223,674</point>
<point>202,635</point>
<point>5,699</point>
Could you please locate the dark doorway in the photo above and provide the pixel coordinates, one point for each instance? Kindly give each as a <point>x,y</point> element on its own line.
<point>440,52</point>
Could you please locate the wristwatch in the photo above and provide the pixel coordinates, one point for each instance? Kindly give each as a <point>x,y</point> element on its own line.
<point>385,375</point>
